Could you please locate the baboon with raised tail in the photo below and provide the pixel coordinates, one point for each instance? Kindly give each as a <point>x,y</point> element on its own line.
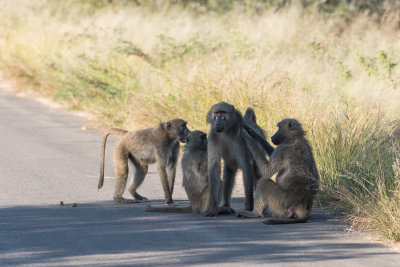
<point>154,145</point>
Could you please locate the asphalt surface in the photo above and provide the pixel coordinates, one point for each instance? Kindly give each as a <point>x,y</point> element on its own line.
<point>47,157</point>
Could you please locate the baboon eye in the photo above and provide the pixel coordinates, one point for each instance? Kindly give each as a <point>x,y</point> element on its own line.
<point>168,125</point>
<point>291,125</point>
<point>187,140</point>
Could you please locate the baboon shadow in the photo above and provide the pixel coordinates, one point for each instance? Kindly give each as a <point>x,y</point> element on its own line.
<point>108,233</point>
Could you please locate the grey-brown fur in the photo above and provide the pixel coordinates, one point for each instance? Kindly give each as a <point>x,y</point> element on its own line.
<point>225,141</point>
<point>250,120</point>
<point>291,196</point>
<point>154,145</point>
<point>195,176</point>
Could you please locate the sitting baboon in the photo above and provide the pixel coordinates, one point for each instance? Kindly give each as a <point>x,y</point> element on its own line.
<point>154,145</point>
<point>225,141</point>
<point>290,198</point>
<point>195,178</point>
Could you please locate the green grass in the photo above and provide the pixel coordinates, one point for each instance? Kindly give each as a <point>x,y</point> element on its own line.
<point>132,64</point>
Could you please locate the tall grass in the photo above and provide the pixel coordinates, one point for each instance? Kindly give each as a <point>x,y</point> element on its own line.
<point>133,65</point>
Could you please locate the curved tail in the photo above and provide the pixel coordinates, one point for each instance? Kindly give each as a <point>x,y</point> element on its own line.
<point>107,132</point>
<point>285,220</point>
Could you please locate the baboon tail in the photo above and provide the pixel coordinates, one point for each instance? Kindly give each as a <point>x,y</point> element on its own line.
<point>107,132</point>
<point>168,209</point>
<point>285,220</point>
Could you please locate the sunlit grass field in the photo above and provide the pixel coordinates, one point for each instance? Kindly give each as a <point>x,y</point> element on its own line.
<point>134,65</point>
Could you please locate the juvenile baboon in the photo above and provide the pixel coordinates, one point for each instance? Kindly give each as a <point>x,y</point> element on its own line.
<point>290,198</point>
<point>195,177</point>
<point>154,145</point>
<point>225,141</point>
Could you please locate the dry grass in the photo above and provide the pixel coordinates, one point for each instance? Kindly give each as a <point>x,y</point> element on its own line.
<point>132,68</point>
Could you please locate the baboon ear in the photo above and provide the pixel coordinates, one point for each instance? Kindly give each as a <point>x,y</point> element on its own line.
<point>168,126</point>
<point>291,125</point>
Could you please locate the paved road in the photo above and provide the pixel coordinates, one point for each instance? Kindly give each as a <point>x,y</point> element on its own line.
<point>46,157</point>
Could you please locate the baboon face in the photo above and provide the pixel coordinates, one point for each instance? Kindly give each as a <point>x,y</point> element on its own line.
<point>288,129</point>
<point>222,116</point>
<point>196,140</point>
<point>177,129</point>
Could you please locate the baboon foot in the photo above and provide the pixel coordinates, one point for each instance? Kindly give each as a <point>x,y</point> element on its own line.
<point>170,203</point>
<point>211,212</point>
<point>122,200</point>
<point>140,197</point>
<point>247,214</point>
<point>225,211</point>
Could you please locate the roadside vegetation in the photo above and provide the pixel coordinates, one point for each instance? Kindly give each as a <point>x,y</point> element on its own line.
<point>333,65</point>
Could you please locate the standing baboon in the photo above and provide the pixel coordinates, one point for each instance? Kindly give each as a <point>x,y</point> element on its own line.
<point>225,141</point>
<point>195,178</point>
<point>290,198</point>
<point>154,145</point>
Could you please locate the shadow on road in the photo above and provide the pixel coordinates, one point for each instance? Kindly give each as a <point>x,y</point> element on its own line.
<point>108,233</point>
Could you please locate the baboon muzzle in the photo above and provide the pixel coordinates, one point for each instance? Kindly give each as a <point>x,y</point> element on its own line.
<point>276,138</point>
<point>219,124</point>
<point>182,139</point>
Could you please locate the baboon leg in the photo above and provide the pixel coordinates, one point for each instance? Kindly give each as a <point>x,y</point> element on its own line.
<point>171,171</point>
<point>228,181</point>
<point>138,178</point>
<point>268,194</point>
<point>161,167</point>
<point>248,182</point>
<point>214,174</point>
<point>260,203</point>
<point>121,169</point>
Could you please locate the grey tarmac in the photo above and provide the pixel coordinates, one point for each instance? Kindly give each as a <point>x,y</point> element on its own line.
<point>46,157</point>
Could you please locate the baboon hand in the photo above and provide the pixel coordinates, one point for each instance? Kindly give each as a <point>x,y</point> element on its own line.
<point>250,130</point>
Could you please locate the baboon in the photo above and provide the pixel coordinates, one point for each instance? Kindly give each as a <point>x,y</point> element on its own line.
<point>225,141</point>
<point>154,145</point>
<point>290,198</point>
<point>195,177</point>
